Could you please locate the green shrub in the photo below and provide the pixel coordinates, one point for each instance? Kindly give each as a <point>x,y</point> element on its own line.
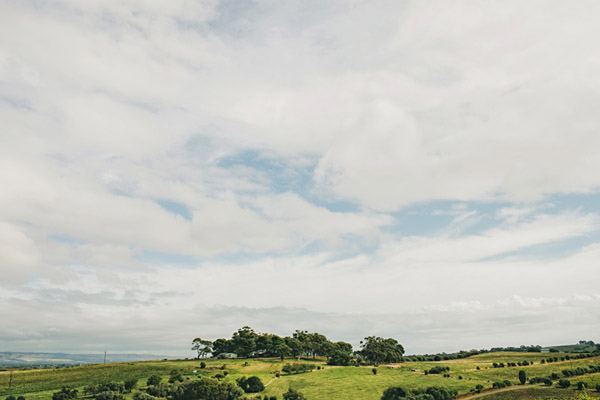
<point>252,384</point>
<point>564,383</point>
<point>292,394</point>
<point>153,380</point>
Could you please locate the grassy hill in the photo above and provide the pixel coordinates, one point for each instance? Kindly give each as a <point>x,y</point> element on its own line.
<point>326,383</point>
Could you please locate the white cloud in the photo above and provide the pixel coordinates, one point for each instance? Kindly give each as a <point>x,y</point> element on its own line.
<point>109,108</point>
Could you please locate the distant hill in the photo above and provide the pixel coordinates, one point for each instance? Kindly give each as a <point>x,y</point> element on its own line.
<point>581,347</point>
<point>29,359</point>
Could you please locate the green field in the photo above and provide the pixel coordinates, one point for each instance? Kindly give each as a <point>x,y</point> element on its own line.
<point>351,383</point>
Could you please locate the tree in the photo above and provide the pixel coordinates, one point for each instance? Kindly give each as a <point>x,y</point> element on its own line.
<point>244,341</point>
<point>252,384</point>
<point>202,347</point>
<point>394,393</point>
<point>292,394</point>
<point>207,389</point>
<point>378,350</point>
<point>522,377</point>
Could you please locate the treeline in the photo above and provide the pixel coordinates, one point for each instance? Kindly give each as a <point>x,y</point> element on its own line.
<point>245,343</point>
<point>468,353</point>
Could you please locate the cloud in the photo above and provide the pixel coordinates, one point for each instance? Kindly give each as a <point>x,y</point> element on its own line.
<point>154,156</point>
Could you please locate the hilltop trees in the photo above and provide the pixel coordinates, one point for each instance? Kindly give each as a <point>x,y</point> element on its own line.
<point>378,350</point>
<point>245,342</point>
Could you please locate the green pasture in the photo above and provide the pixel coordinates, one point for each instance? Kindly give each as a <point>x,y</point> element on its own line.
<point>327,383</point>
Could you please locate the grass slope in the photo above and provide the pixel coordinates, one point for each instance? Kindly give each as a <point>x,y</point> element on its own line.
<point>349,383</point>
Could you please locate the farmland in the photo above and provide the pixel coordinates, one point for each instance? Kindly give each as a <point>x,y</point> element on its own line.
<point>324,382</point>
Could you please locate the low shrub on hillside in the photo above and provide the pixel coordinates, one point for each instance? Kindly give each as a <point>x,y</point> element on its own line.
<point>290,369</point>
<point>564,383</point>
<point>430,393</point>
<point>292,394</point>
<point>438,369</point>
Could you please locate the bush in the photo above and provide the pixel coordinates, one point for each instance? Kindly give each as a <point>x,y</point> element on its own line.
<point>564,383</point>
<point>292,394</point>
<point>394,393</point>
<point>207,389</point>
<point>297,368</point>
<point>478,388</point>
<point>340,358</point>
<point>374,371</point>
<point>175,376</point>
<point>202,364</point>
<point>66,393</point>
<point>252,384</point>
<point>598,388</point>
<point>153,380</point>
<point>21,398</point>
<point>109,396</point>
<point>11,397</point>
<point>438,369</point>
<point>581,385</point>
<point>130,384</point>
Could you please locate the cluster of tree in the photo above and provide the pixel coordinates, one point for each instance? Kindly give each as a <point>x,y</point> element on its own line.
<point>11,397</point>
<point>290,369</point>
<point>245,342</point>
<point>520,349</point>
<point>581,371</point>
<point>570,357</point>
<point>438,369</point>
<point>444,356</point>
<point>248,343</point>
<point>430,393</point>
<point>501,384</point>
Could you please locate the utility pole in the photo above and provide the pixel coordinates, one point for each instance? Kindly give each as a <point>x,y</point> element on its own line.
<point>104,356</point>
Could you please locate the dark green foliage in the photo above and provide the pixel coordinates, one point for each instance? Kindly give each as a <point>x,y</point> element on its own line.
<point>175,376</point>
<point>66,393</point>
<point>252,384</point>
<point>378,350</point>
<point>430,393</point>
<point>478,388</point>
<point>207,389</point>
<point>545,381</point>
<point>374,371</point>
<point>153,380</point>
<point>438,369</point>
<point>202,364</point>
<point>290,369</point>
<point>581,385</point>
<point>394,393</point>
<point>292,394</point>
<point>129,385</point>
<point>11,397</point>
<point>522,377</point>
<point>340,358</point>
<point>502,384</point>
<point>109,396</point>
<point>564,383</point>
<point>21,398</point>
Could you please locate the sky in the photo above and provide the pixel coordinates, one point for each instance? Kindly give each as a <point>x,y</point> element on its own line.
<point>423,170</point>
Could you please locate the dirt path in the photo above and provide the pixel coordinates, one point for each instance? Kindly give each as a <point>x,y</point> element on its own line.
<point>494,391</point>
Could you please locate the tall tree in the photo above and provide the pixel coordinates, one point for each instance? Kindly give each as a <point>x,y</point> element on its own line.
<point>202,347</point>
